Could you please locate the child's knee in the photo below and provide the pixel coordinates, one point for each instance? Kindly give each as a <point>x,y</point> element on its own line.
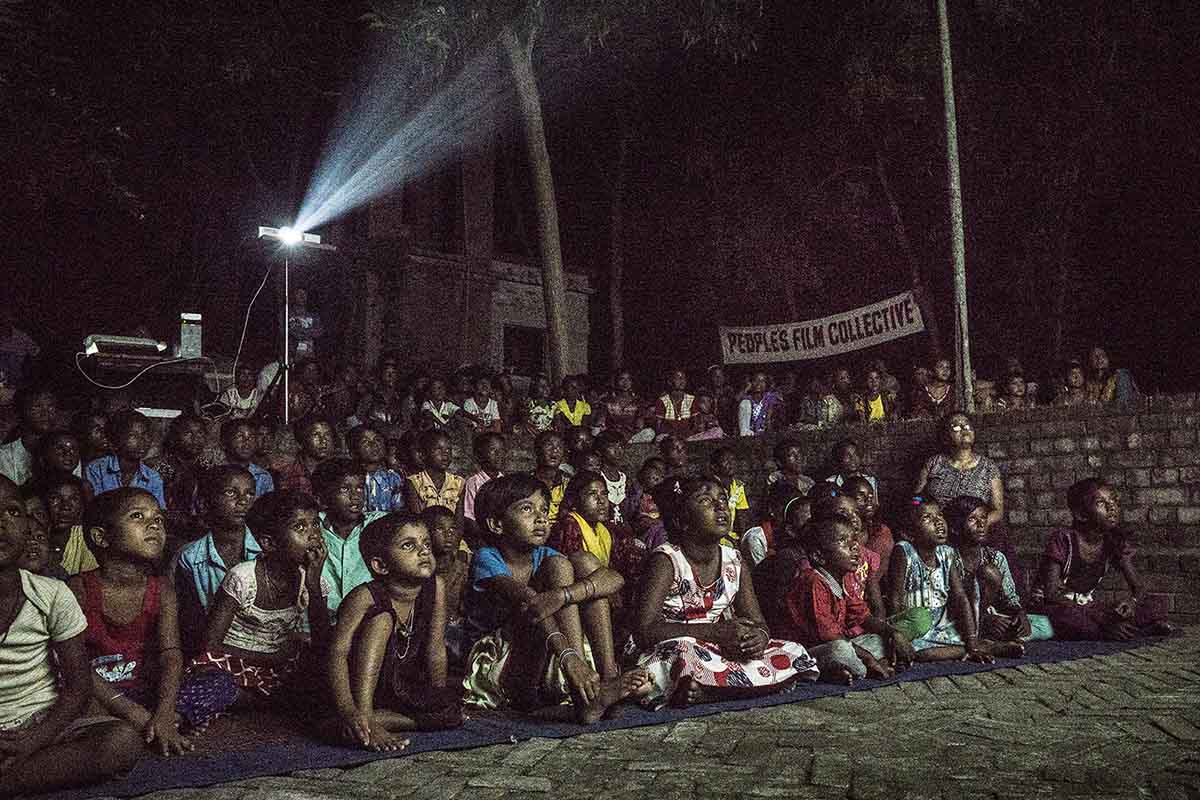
<point>118,746</point>
<point>584,564</point>
<point>841,652</point>
<point>554,573</point>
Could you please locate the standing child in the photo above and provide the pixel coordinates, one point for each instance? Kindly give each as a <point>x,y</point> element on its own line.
<point>699,627</point>
<point>434,485</point>
<point>132,636</point>
<point>318,441</point>
<point>384,486</point>
<point>998,610</point>
<point>243,397</point>
<point>571,410</point>
<point>129,432</point>
<point>839,630</point>
<point>548,452</point>
<point>226,492</point>
<point>846,460</point>
<point>789,467</point>
<point>1076,559</point>
<point>453,567</point>
<point>524,606</point>
<point>45,679</point>
<point>63,495</point>
<point>722,464</point>
<point>539,408</point>
<point>269,625</point>
<point>481,407</point>
<point>673,411</point>
<point>240,440</point>
<point>927,599</point>
<point>338,486</point>
<point>387,660</point>
<point>490,450</point>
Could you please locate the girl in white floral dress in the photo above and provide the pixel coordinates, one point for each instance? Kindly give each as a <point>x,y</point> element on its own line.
<point>699,626</point>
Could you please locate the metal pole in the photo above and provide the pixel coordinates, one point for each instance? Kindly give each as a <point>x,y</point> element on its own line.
<point>962,344</point>
<point>287,351</point>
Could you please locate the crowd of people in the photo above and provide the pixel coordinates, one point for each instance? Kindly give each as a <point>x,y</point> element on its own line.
<point>147,588</point>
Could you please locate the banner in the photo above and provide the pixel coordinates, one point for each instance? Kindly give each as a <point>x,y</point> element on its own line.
<point>868,326</point>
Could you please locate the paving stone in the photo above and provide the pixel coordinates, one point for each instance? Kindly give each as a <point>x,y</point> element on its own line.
<point>524,783</point>
<point>689,730</point>
<point>830,769</point>
<point>530,752</point>
<point>1183,731</point>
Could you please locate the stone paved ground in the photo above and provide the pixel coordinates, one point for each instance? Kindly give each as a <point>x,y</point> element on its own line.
<point>1126,725</point>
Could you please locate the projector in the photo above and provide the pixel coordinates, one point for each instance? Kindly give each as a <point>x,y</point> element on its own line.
<point>107,343</point>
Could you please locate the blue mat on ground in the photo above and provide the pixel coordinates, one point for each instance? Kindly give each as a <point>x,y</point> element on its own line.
<point>299,752</point>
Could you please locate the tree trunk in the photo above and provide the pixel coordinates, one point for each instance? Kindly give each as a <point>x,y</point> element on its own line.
<point>554,292</point>
<point>928,309</point>
<point>616,265</point>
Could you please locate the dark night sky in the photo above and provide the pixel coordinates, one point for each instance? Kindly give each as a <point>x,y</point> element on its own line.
<point>723,164</point>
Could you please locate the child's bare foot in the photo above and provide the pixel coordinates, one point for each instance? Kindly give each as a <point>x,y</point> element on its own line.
<point>879,669</point>
<point>837,673</point>
<point>1002,649</point>
<point>1162,629</point>
<point>383,740</point>
<point>636,684</point>
<point>687,693</point>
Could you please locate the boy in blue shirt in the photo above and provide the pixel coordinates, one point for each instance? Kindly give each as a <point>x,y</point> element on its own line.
<point>239,440</point>
<point>129,432</point>
<point>384,486</point>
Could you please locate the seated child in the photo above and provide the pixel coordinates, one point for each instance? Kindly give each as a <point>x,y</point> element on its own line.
<point>37,409</point>
<point>338,487</point>
<point>926,594</point>
<point>879,539</point>
<point>63,493</point>
<point>847,461</point>
<point>539,408</point>
<point>384,486</point>
<point>524,607</point>
<point>548,455</point>
<point>578,442</point>
<point>435,485</point>
<point>610,446</point>
<point>58,451</point>
<point>673,410</point>
<point>583,530</point>
<point>226,494</point>
<point>132,637</point>
<point>789,462</point>
<point>129,432</point>
<point>705,424</point>
<point>571,410</point>
<point>318,442</point>
<point>45,678</point>
<point>761,541</point>
<point>91,429</point>
<point>387,658</point>
<point>674,454</point>
<point>699,628</point>
<point>37,551</point>
<point>404,453</point>
<point>243,397</point>
<point>481,408</point>
<point>180,465</point>
<point>864,583</point>
<point>998,610</point>
<point>640,510</point>
<point>490,451</point>
<point>721,464</point>
<point>271,612</point>
<point>453,567</point>
<point>437,410</point>
<point>1076,559</point>
<point>240,441</point>
<point>775,553</point>
<point>839,630</point>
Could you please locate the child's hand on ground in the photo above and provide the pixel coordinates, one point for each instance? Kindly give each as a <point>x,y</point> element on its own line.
<point>878,669</point>
<point>543,605</point>
<point>584,679</point>
<point>902,655</point>
<point>162,731</point>
<point>974,654</point>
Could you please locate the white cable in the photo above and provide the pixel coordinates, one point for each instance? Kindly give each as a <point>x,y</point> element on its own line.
<point>241,341</point>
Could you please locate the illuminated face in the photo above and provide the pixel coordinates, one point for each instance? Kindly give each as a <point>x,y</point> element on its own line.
<point>445,535</point>
<point>191,438</point>
<point>369,447</point>
<point>1075,378</point>
<point>676,380</point>
<point>705,511</point>
<point>839,552</point>
<point>758,384</point>
<point>846,509</point>
<point>39,517</point>
<point>409,555</point>
<point>841,380</point>
<point>929,528</point>
<point>65,506</point>
<point>135,441</point>
<point>440,453</point>
<point>624,382</point>
<point>62,452</point>
<point>1103,508</point>
<point>14,525</point>
<point>874,383</point>
<point>483,388</point>
<point>1015,387</point>
<point>550,452</point>
<point>593,504</point>
<point>864,499</point>
<point>232,502</point>
<point>242,443</point>
<point>139,529</point>
<point>40,412</point>
<point>943,370</point>
<point>318,440</point>
<point>975,527</point>
<point>526,523</point>
<point>299,539</point>
<point>1098,360</point>
<point>494,453</point>
<point>959,431</point>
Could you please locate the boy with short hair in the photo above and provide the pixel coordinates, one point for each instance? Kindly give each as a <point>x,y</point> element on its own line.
<point>339,489</point>
<point>37,407</point>
<point>317,440</point>
<point>240,441</point>
<point>130,434</point>
<point>384,486</point>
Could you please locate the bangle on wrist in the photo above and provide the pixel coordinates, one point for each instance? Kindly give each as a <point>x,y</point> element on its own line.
<point>567,598</point>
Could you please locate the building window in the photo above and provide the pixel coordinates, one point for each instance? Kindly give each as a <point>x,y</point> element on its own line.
<point>524,350</point>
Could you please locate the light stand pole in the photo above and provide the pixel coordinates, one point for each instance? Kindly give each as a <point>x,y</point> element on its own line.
<point>290,239</point>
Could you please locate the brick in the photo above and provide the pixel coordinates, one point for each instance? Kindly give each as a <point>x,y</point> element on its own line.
<point>1189,474</point>
<point>1137,477</point>
<point>1165,477</point>
<point>1189,515</point>
<point>1018,518</point>
<point>1163,516</point>
<point>1095,462</point>
<point>1179,457</point>
<point>1134,458</point>
<point>1135,515</point>
<point>1014,484</point>
<point>1165,496</point>
<point>1064,445</point>
<point>1024,465</point>
<point>1113,477</point>
<point>1045,500</point>
<point>1090,443</point>
<point>1041,447</point>
<point>1179,438</point>
<point>1111,441</point>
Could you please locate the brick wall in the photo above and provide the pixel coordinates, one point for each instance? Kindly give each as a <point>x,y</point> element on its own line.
<point>1150,452</point>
